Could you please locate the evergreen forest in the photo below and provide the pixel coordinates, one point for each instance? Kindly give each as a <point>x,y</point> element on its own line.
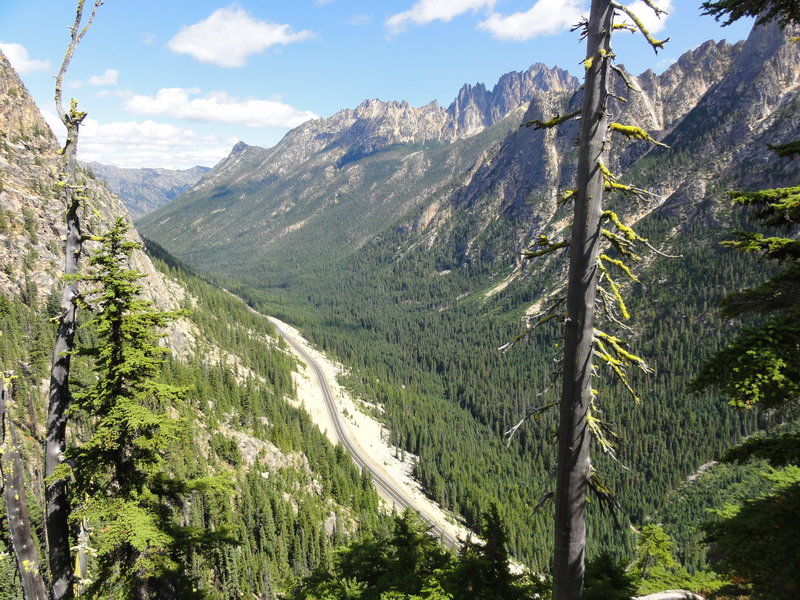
<point>188,468</point>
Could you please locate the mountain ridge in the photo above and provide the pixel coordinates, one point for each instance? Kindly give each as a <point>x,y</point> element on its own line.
<point>374,124</point>
<point>143,190</point>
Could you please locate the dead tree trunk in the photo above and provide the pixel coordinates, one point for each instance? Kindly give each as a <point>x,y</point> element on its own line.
<point>56,496</point>
<point>19,523</point>
<point>573,469</point>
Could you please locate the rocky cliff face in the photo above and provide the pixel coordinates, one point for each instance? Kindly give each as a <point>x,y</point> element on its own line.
<point>475,107</point>
<point>29,251</point>
<point>144,190</point>
<point>32,229</point>
<point>717,108</point>
<point>757,103</point>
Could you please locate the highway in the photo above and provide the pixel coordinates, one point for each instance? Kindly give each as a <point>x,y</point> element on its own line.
<point>388,488</point>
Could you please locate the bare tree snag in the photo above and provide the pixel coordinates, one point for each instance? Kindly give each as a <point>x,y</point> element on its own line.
<point>57,501</point>
<point>573,471</point>
<point>19,523</point>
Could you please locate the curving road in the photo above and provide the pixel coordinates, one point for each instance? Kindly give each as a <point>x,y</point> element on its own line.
<point>389,488</point>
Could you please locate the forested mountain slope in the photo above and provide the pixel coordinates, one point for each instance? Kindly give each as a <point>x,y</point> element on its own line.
<point>401,257</point>
<point>292,497</point>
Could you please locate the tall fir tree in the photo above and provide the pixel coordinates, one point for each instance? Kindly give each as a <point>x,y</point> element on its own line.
<point>121,489</point>
<point>755,543</point>
<point>591,290</point>
<point>74,194</point>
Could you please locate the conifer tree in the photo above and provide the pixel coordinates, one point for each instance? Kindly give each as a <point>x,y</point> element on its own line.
<point>573,470</point>
<point>583,340</point>
<point>786,11</point>
<point>762,365</point>
<point>756,543</point>
<point>120,482</point>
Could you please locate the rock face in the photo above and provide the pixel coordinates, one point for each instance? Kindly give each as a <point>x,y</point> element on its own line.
<point>475,108</point>
<point>32,229</point>
<point>144,190</point>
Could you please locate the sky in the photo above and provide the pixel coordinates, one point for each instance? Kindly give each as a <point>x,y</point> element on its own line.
<point>177,84</point>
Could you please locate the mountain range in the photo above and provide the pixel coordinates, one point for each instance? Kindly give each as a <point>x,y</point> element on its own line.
<point>331,184</point>
<point>391,235</point>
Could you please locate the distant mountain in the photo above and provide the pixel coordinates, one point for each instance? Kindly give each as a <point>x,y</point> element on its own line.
<point>144,190</point>
<point>332,184</point>
<point>374,125</point>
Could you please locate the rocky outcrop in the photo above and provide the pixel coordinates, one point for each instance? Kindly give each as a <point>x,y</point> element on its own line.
<point>144,190</point>
<point>475,107</point>
<point>32,229</point>
<point>754,105</point>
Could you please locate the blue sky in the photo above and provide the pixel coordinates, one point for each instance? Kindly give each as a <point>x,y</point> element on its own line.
<point>175,84</point>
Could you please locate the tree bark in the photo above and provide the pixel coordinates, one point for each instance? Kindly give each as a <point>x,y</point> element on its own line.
<point>573,468</point>
<point>57,500</point>
<point>19,523</point>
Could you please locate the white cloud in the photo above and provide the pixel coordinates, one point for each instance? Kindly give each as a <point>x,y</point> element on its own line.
<point>110,77</point>
<point>17,55</point>
<point>359,20</point>
<point>544,18</point>
<point>149,144</point>
<point>425,11</point>
<point>229,36</point>
<point>648,16</point>
<point>218,107</point>
<point>135,144</point>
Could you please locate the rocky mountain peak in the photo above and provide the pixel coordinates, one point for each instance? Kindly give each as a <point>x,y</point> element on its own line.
<point>239,148</point>
<point>755,101</point>
<point>475,107</point>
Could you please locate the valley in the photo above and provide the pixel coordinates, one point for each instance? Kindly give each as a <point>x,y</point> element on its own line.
<point>364,439</point>
<point>340,358</point>
<point>403,263</point>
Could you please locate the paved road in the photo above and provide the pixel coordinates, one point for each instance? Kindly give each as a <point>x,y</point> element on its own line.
<point>391,490</point>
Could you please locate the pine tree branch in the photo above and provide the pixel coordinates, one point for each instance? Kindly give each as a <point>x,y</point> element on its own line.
<point>635,133</point>
<point>654,43</point>
<point>554,122</point>
<point>626,78</point>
